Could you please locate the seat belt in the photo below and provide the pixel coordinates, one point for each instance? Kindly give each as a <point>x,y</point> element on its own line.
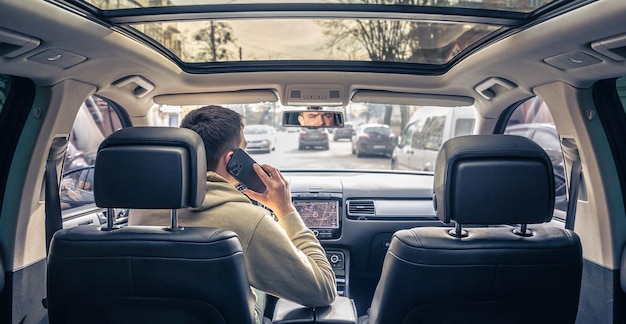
<point>570,152</point>
<point>54,219</point>
<point>572,199</point>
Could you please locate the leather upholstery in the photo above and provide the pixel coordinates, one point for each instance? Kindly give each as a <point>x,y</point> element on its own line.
<point>151,167</point>
<point>148,274</point>
<point>492,275</point>
<point>493,179</point>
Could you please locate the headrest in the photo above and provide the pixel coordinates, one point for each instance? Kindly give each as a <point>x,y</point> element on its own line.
<point>150,168</point>
<point>493,179</point>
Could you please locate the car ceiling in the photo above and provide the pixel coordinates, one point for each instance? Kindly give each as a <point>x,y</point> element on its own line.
<point>575,30</point>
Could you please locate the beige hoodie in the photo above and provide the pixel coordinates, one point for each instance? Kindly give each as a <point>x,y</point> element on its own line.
<point>283,258</point>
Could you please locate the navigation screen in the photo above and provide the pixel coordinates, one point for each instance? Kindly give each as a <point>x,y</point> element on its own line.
<point>318,213</point>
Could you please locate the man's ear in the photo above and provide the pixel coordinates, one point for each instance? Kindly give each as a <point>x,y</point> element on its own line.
<point>226,156</point>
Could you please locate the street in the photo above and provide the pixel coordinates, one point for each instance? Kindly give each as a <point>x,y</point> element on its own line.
<point>339,156</point>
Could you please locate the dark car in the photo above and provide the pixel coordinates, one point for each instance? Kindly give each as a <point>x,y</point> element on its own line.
<point>313,138</point>
<point>346,132</point>
<point>373,139</point>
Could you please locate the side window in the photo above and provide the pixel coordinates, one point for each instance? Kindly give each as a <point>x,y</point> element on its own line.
<point>532,119</point>
<point>418,141</point>
<point>464,126</point>
<point>432,132</point>
<point>95,120</point>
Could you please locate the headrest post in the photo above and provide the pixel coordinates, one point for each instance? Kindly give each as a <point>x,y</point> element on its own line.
<point>458,231</point>
<point>110,220</point>
<point>175,227</point>
<point>523,231</point>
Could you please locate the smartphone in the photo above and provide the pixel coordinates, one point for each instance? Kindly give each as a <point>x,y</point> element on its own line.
<point>240,167</point>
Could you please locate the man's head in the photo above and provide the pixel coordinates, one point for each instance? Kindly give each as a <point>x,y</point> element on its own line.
<point>221,130</point>
<point>316,118</point>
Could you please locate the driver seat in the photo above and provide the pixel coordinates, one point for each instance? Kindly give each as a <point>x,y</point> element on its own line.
<point>148,274</point>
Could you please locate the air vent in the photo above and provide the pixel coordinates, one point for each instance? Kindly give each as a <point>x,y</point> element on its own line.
<point>361,208</point>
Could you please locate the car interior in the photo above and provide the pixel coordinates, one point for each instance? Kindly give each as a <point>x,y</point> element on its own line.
<point>523,219</point>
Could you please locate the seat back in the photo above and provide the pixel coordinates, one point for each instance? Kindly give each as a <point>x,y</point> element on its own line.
<point>488,272</point>
<point>148,274</point>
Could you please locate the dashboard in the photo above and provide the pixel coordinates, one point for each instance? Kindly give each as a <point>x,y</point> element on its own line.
<point>354,215</point>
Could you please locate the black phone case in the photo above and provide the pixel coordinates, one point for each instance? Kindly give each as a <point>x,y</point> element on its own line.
<point>240,167</point>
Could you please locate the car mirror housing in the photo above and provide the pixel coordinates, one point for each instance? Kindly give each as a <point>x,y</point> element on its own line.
<point>76,188</point>
<point>313,118</point>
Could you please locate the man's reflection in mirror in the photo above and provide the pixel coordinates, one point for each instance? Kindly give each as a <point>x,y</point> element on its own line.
<point>316,118</point>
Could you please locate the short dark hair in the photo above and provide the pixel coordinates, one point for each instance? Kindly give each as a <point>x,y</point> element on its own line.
<point>219,127</point>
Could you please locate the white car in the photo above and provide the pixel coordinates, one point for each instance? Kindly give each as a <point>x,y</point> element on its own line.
<point>260,138</point>
<point>428,128</point>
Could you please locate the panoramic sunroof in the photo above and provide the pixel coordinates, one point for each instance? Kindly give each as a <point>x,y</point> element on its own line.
<point>501,5</point>
<point>431,32</point>
<point>376,40</point>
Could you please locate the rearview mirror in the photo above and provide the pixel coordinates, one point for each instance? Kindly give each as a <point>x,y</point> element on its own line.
<point>313,118</point>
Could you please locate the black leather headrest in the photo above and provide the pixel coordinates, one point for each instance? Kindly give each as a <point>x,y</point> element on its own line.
<point>493,179</point>
<point>150,168</point>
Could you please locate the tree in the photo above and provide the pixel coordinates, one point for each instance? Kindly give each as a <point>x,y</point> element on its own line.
<point>214,43</point>
<point>391,40</point>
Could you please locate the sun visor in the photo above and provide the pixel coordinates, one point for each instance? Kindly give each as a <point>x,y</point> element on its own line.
<point>407,98</point>
<point>224,98</point>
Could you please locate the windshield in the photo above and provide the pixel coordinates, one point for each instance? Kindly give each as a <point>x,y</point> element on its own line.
<point>372,144</point>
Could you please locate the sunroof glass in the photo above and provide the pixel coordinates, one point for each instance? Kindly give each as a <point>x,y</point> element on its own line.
<point>371,40</point>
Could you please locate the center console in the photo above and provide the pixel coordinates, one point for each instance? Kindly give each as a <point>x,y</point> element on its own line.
<point>322,213</point>
<point>341,311</point>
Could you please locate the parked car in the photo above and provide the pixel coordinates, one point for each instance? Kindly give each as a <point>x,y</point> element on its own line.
<point>261,138</point>
<point>149,63</point>
<point>373,139</point>
<point>428,128</point>
<point>343,133</point>
<point>310,138</point>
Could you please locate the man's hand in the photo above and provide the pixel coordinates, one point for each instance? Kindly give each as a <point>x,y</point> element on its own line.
<point>277,197</point>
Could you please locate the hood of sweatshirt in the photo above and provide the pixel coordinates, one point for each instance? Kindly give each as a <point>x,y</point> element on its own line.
<point>219,191</point>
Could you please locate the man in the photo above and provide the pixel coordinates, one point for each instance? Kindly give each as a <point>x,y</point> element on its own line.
<point>316,118</point>
<point>283,257</point>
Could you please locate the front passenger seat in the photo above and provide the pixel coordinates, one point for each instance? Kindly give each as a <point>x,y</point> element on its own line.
<point>483,270</point>
<point>148,274</point>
